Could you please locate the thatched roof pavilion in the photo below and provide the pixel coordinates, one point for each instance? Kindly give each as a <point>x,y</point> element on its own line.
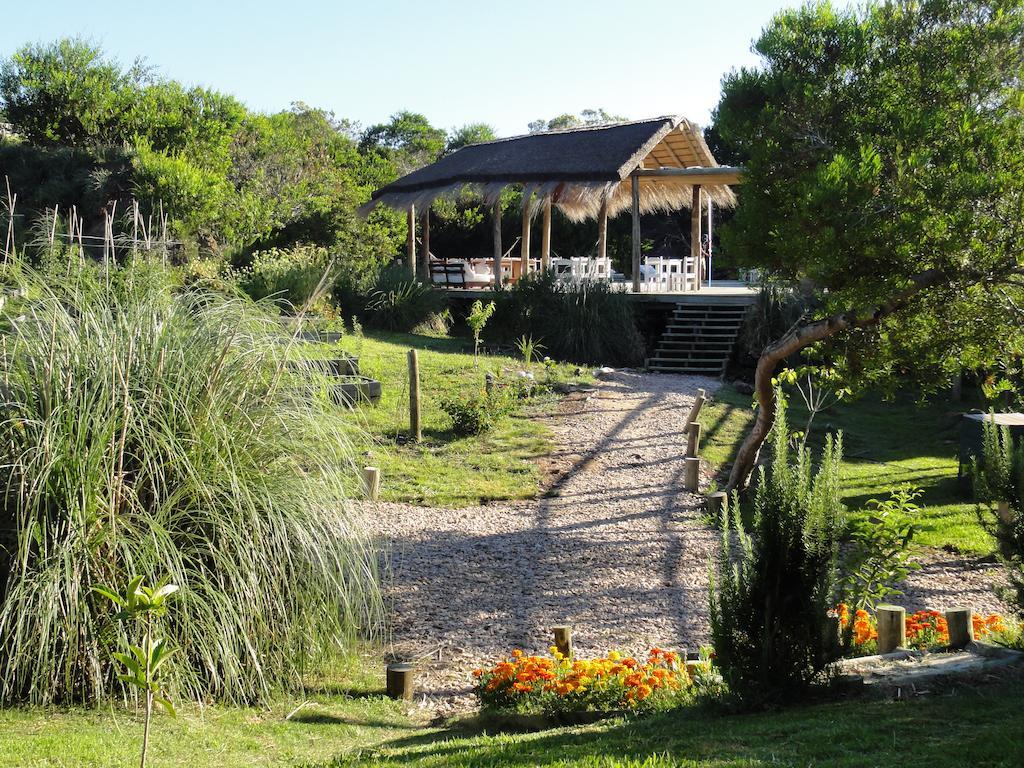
<point>656,165</point>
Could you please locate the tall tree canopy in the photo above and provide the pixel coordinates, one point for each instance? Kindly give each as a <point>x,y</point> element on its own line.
<point>885,176</point>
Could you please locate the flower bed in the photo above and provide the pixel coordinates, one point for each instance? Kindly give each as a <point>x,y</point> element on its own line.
<point>555,685</point>
<point>925,629</point>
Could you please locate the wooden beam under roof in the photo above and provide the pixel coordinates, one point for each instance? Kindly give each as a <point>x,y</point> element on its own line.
<point>713,176</point>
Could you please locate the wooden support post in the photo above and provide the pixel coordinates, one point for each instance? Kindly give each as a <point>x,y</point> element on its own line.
<point>524,250</point>
<point>691,478</point>
<point>371,482</point>
<point>698,403</point>
<point>400,681</point>
<point>563,639</point>
<point>961,627</point>
<point>497,243</point>
<point>635,181</point>
<point>424,263</point>
<point>892,628</point>
<point>415,430</point>
<point>710,235</point>
<point>1004,512</point>
<point>695,235</point>
<point>718,505</point>
<point>545,237</point>
<point>410,241</point>
<point>693,440</point>
<point>602,228</point>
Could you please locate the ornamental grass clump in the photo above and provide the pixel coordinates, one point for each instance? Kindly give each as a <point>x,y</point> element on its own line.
<point>559,684</point>
<point>153,432</point>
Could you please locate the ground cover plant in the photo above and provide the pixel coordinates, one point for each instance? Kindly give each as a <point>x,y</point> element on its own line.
<point>149,431</point>
<point>558,684</point>
<point>888,443</point>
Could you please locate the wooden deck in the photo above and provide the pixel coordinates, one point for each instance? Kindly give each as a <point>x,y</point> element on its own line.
<point>719,292</point>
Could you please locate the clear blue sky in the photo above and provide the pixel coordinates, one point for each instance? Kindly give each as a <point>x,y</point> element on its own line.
<point>456,61</point>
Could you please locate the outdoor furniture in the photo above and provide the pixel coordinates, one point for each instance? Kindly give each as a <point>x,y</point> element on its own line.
<point>582,268</point>
<point>458,273</point>
<point>661,274</point>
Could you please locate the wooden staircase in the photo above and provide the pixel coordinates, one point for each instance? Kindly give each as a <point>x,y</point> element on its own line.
<point>698,339</point>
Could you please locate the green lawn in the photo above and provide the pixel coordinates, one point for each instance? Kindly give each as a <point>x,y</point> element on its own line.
<point>443,470</point>
<point>358,727</point>
<point>886,444</point>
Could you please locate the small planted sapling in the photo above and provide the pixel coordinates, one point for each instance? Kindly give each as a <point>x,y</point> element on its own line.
<point>478,316</point>
<point>144,666</point>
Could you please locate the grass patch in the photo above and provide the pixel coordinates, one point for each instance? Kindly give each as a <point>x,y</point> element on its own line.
<point>886,444</point>
<point>444,469</point>
<point>358,727</point>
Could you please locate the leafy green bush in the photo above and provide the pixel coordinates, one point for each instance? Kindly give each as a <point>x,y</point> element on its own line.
<point>150,432</point>
<point>479,412</point>
<point>769,603</point>
<point>292,277</point>
<point>999,490</point>
<point>399,303</point>
<point>582,322</point>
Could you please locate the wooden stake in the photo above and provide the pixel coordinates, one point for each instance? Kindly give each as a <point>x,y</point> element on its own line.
<point>698,403</point>
<point>410,240</point>
<point>1004,512</point>
<point>400,679</point>
<point>718,504</point>
<point>635,180</point>
<point>545,237</point>
<point>691,478</point>
<point>496,223</point>
<point>563,639</point>
<point>415,431</point>
<point>892,628</point>
<point>693,440</point>
<point>961,628</point>
<point>371,482</point>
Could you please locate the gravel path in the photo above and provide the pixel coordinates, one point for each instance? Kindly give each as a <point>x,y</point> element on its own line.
<point>616,549</point>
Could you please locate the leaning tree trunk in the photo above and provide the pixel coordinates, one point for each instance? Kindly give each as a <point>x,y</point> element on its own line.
<point>798,337</point>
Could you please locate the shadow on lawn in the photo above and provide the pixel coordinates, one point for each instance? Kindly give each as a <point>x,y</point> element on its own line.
<point>980,725</point>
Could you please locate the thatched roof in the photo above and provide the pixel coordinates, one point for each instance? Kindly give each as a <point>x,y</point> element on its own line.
<point>576,167</point>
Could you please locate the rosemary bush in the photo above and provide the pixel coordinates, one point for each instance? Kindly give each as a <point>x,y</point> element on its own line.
<point>769,602</point>
<point>999,477</point>
<point>154,432</point>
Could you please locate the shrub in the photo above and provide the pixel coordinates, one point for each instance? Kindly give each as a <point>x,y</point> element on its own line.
<point>291,277</point>
<point>399,303</point>
<point>150,432</point>
<point>769,608</point>
<point>583,322</point>
<point>999,486</point>
<point>477,413</point>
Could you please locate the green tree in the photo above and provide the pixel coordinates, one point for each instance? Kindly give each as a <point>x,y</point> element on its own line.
<point>470,133</point>
<point>885,174</point>
<point>584,118</point>
<point>66,93</point>
<point>408,140</point>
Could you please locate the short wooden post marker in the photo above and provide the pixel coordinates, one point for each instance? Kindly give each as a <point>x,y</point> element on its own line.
<point>892,628</point>
<point>371,482</point>
<point>415,431</point>
<point>1004,512</point>
<point>698,403</point>
<point>691,477</point>
<point>718,504</point>
<point>400,680</point>
<point>961,627</point>
<point>563,639</point>
<point>693,440</point>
